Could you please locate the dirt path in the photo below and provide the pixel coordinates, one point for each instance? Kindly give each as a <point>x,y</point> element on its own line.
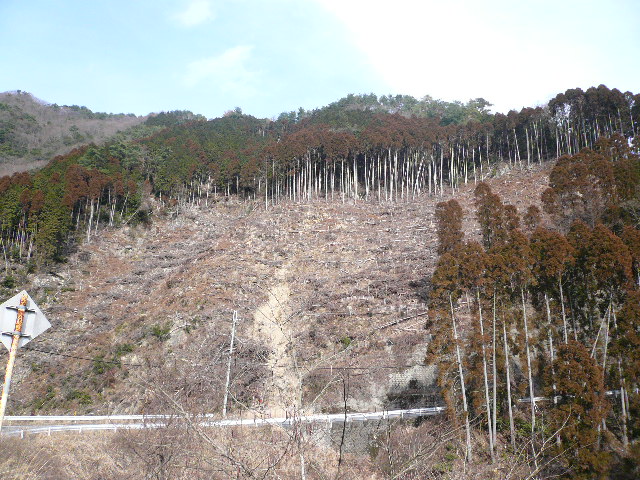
<point>271,326</point>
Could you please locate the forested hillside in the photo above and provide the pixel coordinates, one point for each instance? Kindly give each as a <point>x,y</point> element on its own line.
<point>32,132</point>
<point>383,252</point>
<point>361,147</point>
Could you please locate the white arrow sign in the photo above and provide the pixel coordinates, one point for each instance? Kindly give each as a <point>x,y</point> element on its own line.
<point>34,321</point>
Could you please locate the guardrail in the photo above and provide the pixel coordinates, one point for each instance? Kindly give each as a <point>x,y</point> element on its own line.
<point>157,421</point>
<point>114,422</point>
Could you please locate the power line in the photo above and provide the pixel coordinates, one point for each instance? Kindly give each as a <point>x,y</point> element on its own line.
<point>95,359</point>
<point>379,367</point>
<point>330,368</point>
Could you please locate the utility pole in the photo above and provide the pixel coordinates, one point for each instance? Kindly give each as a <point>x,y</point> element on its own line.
<point>226,388</point>
<point>23,330</point>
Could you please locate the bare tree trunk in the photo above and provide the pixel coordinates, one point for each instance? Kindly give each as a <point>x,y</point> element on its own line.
<point>439,175</point>
<point>551,352</point>
<point>625,437</point>
<point>495,377</point>
<point>553,377</point>
<point>526,131</point>
<point>6,260</point>
<point>303,472</point>
<point>95,231</point>
<point>623,393</point>
<point>606,340</point>
<point>355,178</point>
<point>486,380</point>
<point>517,153</point>
<point>226,388</point>
<point>564,315</point>
<point>89,224</point>
<point>506,362</point>
<point>604,354</point>
<point>462,386</point>
<point>530,376</point>
<point>266,188</point>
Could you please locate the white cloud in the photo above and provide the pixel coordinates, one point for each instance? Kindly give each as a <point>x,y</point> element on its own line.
<point>197,12</point>
<point>227,71</point>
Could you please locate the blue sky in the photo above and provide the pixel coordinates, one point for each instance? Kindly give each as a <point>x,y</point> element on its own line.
<point>271,56</point>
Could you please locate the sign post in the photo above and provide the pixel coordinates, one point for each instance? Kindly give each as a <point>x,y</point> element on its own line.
<point>17,331</point>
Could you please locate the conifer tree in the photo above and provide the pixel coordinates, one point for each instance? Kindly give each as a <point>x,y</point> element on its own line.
<point>625,349</point>
<point>445,294</point>
<point>580,410</point>
<point>489,213</point>
<point>553,255</point>
<point>581,187</point>
<point>448,225</point>
<point>532,218</point>
<point>631,238</point>
<point>473,263</point>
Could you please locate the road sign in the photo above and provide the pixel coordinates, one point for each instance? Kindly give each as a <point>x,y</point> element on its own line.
<point>20,321</point>
<point>34,321</point>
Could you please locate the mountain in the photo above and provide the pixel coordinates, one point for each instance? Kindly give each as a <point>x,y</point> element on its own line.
<point>373,258</point>
<point>32,131</point>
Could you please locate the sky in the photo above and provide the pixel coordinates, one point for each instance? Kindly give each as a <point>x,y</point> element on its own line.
<point>274,56</point>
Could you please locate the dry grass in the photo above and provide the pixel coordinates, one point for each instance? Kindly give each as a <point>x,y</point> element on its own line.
<point>178,452</point>
<point>183,451</point>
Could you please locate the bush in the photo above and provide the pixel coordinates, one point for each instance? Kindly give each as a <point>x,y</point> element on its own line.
<point>81,396</point>
<point>123,349</point>
<point>100,365</point>
<point>9,282</point>
<point>161,332</point>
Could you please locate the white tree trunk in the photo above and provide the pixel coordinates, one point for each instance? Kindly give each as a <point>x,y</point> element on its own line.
<point>462,386</point>
<point>486,380</point>
<point>506,362</point>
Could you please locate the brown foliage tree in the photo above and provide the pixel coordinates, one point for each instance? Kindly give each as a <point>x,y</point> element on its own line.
<point>580,410</point>
<point>448,225</point>
<point>532,218</point>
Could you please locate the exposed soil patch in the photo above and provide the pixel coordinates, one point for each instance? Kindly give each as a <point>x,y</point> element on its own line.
<point>271,327</point>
